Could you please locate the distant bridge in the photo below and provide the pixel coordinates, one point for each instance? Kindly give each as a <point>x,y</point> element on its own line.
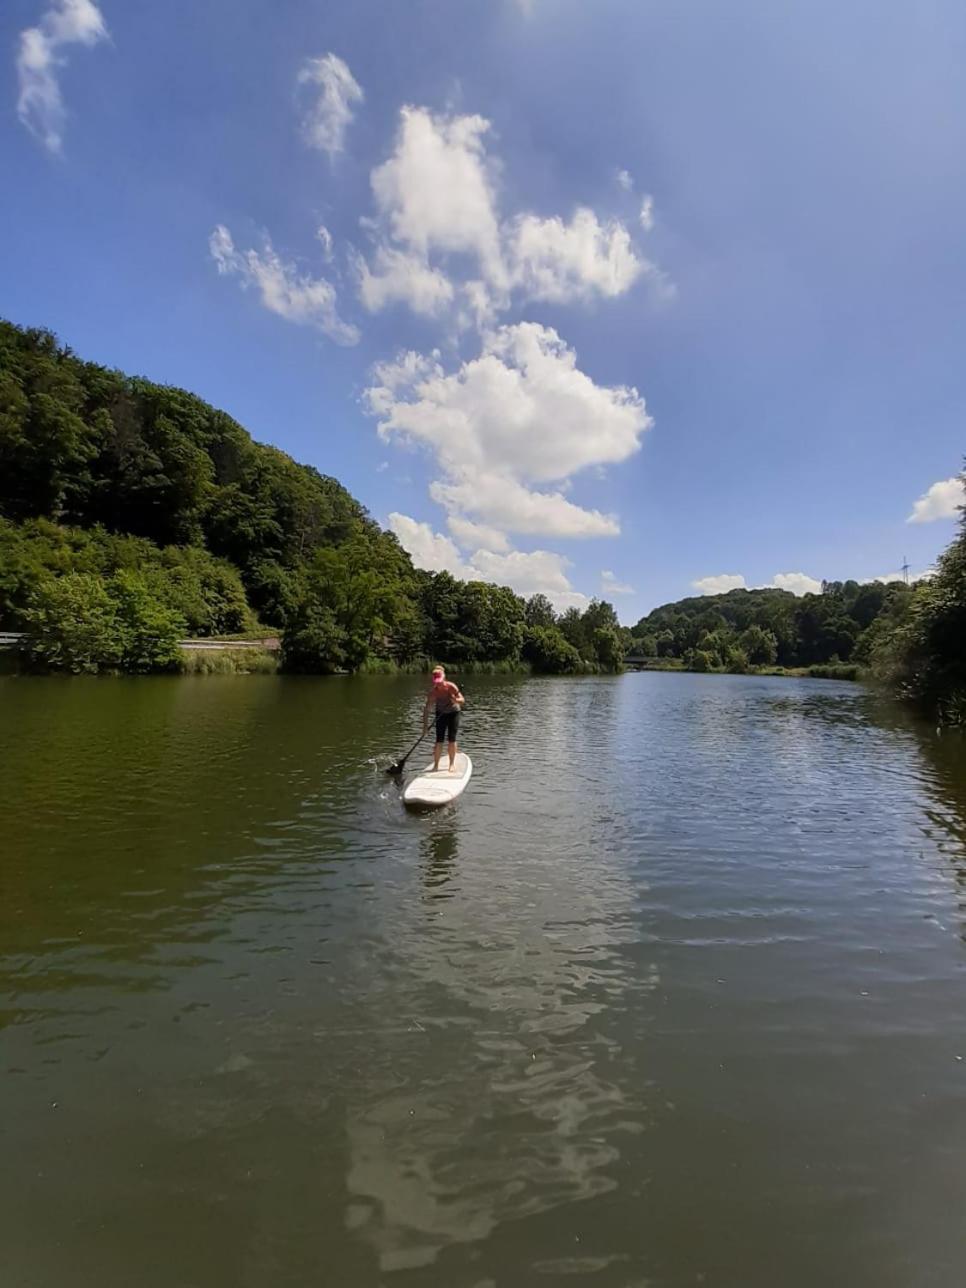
<point>635,662</point>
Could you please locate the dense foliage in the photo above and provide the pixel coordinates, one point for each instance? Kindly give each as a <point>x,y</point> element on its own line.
<point>919,649</point>
<point>132,512</point>
<point>772,627</point>
<point>911,638</point>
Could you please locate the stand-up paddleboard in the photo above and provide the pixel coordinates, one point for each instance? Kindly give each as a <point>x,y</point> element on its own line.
<point>430,789</point>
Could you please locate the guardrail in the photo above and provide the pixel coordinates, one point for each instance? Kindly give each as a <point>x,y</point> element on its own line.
<point>271,643</point>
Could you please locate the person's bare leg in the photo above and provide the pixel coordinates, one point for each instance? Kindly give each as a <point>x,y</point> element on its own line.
<point>452,755</point>
<point>437,752</point>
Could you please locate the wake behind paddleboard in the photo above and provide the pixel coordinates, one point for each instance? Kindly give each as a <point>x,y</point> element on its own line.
<point>430,789</point>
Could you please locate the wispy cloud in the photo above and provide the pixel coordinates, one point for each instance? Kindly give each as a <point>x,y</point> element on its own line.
<point>307,301</point>
<point>40,105</point>
<point>330,113</point>
<point>610,585</point>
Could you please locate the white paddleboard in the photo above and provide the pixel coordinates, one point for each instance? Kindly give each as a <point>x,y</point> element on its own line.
<point>430,789</point>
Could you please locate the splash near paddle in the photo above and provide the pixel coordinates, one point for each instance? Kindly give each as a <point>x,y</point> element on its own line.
<point>432,788</point>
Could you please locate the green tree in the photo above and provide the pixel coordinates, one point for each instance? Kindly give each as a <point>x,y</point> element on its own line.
<point>759,645</point>
<point>72,625</point>
<point>539,611</point>
<point>572,626</point>
<point>545,648</point>
<point>608,648</point>
<point>79,622</point>
<point>666,644</point>
<point>313,642</point>
<point>736,660</point>
<point>923,656</point>
<point>697,659</point>
<point>825,631</point>
<point>147,631</point>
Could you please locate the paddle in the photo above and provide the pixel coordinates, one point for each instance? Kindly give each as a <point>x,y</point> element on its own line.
<point>397,766</point>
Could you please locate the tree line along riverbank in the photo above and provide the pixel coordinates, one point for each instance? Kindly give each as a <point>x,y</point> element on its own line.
<point>134,514</point>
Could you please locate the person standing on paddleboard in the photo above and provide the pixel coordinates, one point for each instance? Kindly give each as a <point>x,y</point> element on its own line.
<point>448,701</point>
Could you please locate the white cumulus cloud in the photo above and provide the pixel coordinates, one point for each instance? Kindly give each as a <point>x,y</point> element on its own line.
<point>527,573</point>
<point>720,584</point>
<point>537,572</point>
<point>612,585</point>
<point>520,413</point>
<point>477,536</point>
<point>506,503</point>
<point>438,214</point>
<point>557,261</point>
<point>39,103</point>
<point>335,90</point>
<point>436,191</point>
<point>798,583</point>
<point>400,276</point>
<point>942,501</point>
<point>307,301</point>
<point>428,549</point>
<point>523,406</point>
<point>903,573</point>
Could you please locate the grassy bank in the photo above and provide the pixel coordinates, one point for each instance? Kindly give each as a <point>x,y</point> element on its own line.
<point>506,666</point>
<point>228,661</point>
<point>825,671</point>
<point>422,666</point>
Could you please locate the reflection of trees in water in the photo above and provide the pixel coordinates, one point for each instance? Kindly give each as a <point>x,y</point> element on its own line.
<point>944,756</point>
<point>509,1095</point>
<point>935,773</point>
<point>152,817</point>
<point>440,850</point>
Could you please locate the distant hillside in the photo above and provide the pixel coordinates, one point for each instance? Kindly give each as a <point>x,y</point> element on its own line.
<point>130,512</point>
<point>769,627</point>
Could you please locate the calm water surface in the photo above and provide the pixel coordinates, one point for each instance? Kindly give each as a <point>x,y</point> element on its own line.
<point>674,994</point>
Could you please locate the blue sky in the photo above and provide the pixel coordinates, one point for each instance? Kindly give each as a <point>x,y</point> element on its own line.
<point>614,298</point>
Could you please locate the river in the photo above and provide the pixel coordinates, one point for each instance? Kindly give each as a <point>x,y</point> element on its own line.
<point>673,995</point>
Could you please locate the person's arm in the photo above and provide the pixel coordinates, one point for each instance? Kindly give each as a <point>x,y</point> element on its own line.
<point>457,696</point>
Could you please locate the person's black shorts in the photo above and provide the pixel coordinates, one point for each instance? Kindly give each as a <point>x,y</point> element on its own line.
<point>447,727</point>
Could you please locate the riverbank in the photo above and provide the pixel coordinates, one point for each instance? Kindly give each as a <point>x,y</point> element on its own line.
<point>824,671</point>
<point>240,655</point>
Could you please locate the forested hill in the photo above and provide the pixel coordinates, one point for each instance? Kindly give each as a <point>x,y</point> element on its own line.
<point>132,513</point>
<point>769,627</point>
<point>911,638</point>
<point>85,447</point>
<point>137,512</point>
